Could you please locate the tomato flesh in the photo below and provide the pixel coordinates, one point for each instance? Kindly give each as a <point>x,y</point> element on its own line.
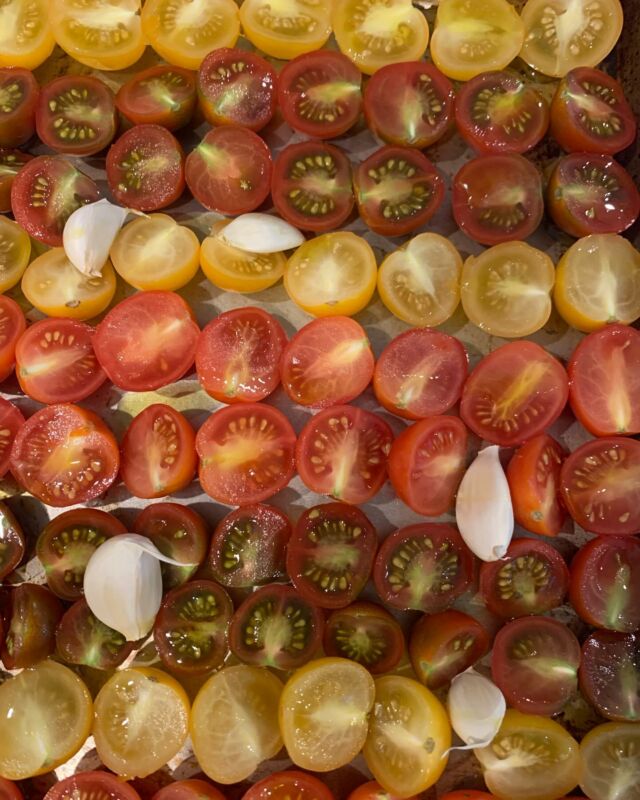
<point>82,639</point>
<point>12,546</point>
<point>11,420</point>
<point>191,789</point>
<point>18,101</point>
<point>34,617</point>
<point>610,674</point>
<point>12,326</point>
<point>97,784</point>
<point>284,785</point>
<point>11,161</point>
<point>162,95</point>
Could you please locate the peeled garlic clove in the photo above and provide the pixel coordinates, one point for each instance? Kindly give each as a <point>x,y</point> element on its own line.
<point>484,512</point>
<point>123,584</point>
<point>89,233</point>
<point>261,233</point>
<point>476,708</point>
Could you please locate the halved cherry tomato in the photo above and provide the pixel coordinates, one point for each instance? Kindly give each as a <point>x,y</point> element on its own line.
<point>534,482</point>
<point>246,453</point>
<point>230,170</point>
<point>610,761</point>
<point>426,464</point>
<point>34,616</point>
<point>497,112</point>
<point>327,362</point>
<point>9,790</point>
<point>591,193</point>
<point>443,645</point>
<point>286,30</point>
<point>12,544</point>
<point>471,794</point>
<point>420,373</point>
<point>311,186</point>
<point>26,39</point>
<point>276,627</point>
<point>397,190</point>
<point>55,362</point>
<point>605,585</point>
<point>191,789</point>
<point>11,420</point>
<point>373,791</point>
<point>64,454</point>
<point>610,674</point>
<point>160,95</point>
<point>92,785</point>
<point>11,162</point>
<point>284,785</point>
<point>12,326</point>
<point>424,567</point>
<point>248,546</point>
<point>319,94</point>
<point>409,104</point>
<point>238,355</point>
<point>82,639</point>
<point>18,102</point>
<point>330,554</point>
<point>498,198</point>
<point>147,341</point>
<point>44,194</point>
<point>342,451</point>
<point>514,393</point>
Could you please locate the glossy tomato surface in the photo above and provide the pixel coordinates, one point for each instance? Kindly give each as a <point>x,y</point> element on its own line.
<point>9,790</point>
<point>610,674</point>
<point>189,789</point>
<point>11,161</point>
<point>92,784</point>
<point>12,546</point>
<point>12,326</point>
<point>81,638</point>
<point>19,93</point>
<point>11,420</point>
<point>284,785</point>
<point>34,616</point>
<point>161,95</point>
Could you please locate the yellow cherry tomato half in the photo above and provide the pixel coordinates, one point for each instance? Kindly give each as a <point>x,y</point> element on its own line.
<point>286,28</point>
<point>155,252</point>
<point>598,282</point>
<point>26,38</point>
<point>15,250</point>
<point>333,274</point>
<point>374,33</point>
<point>611,762</point>
<point>56,288</point>
<point>420,282</point>
<point>506,290</point>
<point>184,31</point>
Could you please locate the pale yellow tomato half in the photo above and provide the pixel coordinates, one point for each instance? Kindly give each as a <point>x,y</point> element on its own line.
<point>611,762</point>
<point>15,250</point>
<point>26,38</point>
<point>286,28</point>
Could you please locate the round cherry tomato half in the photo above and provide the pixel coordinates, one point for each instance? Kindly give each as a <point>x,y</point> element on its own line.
<point>424,567</point>
<point>319,94</point>
<point>12,325</point>
<point>161,95</point>
<point>311,186</point>
<point>330,554</point>
<point>342,451</point>
<point>191,789</point>
<point>34,616</point>
<point>64,455</point>
<point>9,790</point>
<point>285,785</point>
<point>11,420</point>
<point>373,791</point>
<point>514,393</point>
<point>18,101</point>
<point>12,545</point>
<point>610,674</point>
<point>92,785</point>
<point>498,198</point>
<point>147,341</point>
<point>277,627</point>
<point>81,638</point>
<point>11,162</point>
<point>246,453</point>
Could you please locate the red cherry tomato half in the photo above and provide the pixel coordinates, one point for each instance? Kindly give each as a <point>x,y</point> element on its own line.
<point>427,462</point>
<point>11,420</point>
<point>327,362</point>
<point>12,325</point>
<point>64,455</point>
<point>81,638</point>
<point>161,95</point>
<point>285,785</point>
<point>330,554</point>
<point>9,790</point>
<point>319,93</point>
<point>373,791</point>
<point>246,453</point>
<point>590,114</point>
<point>55,361</point>
<point>534,482</point>
<point>610,674</point>
<point>34,616</point>
<point>498,198</point>
<point>92,785</point>
<point>342,451</point>
<point>514,394</point>
<point>19,91</point>
<point>311,186</point>
<point>11,162</point>
<point>397,190</point>
<point>192,789</point>
<point>147,341</point>
<point>424,567</point>
<point>12,546</point>
<point>230,170</point>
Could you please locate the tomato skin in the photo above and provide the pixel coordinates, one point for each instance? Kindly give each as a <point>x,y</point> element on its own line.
<point>608,672</point>
<point>9,790</point>
<point>283,785</point>
<point>17,117</point>
<point>12,325</point>
<point>174,106</point>
<point>12,547</point>
<point>373,791</point>
<point>191,789</point>
<point>471,794</point>
<point>98,783</point>
<point>82,639</point>
<point>30,637</point>
<point>11,420</point>
<point>11,161</point>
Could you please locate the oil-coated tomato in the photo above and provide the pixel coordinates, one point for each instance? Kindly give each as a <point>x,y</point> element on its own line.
<point>599,485</point>
<point>426,464</point>
<point>424,567</point>
<point>146,168</point>
<point>55,362</point>
<point>560,35</point>
<point>33,618</point>
<point>246,453</point>
<point>327,362</point>
<point>190,789</point>
<point>311,186</point>
<point>397,190</point>
<point>514,393</point>
<point>605,585</point>
<point>498,198</point>
<point>12,544</point>
<point>610,761</point>
<point>158,455</point>
<point>45,193</point>
<point>11,161</point>
<point>230,170</point>
<point>373,791</point>
<point>319,94</point>
<point>610,674</point>
<point>374,33</point>
<point>11,420</point>
<point>147,341</point>
<point>409,104</point>
<point>26,39</point>
<point>12,326</point>
<point>590,114</point>
<point>498,112</point>
<point>286,30</point>
<point>443,645</point>
<point>82,639</point>
<point>160,95</point>
<point>342,451</point>
<point>238,355</point>
<point>9,790</point>
<point>276,627</point>
<point>470,794</point>
<point>330,554</point>
<point>18,102</point>
<point>64,455</point>
<point>92,784</point>
<point>534,482</point>
<point>284,785</point>
<point>236,87</point>
<point>591,193</point>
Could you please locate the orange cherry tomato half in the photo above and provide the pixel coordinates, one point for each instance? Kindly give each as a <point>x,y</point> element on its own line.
<point>12,325</point>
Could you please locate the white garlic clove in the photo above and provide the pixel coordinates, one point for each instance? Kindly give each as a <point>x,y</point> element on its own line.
<point>484,512</point>
<point>261,233</point>
<point>476,709</point>
<point>89,233</point>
